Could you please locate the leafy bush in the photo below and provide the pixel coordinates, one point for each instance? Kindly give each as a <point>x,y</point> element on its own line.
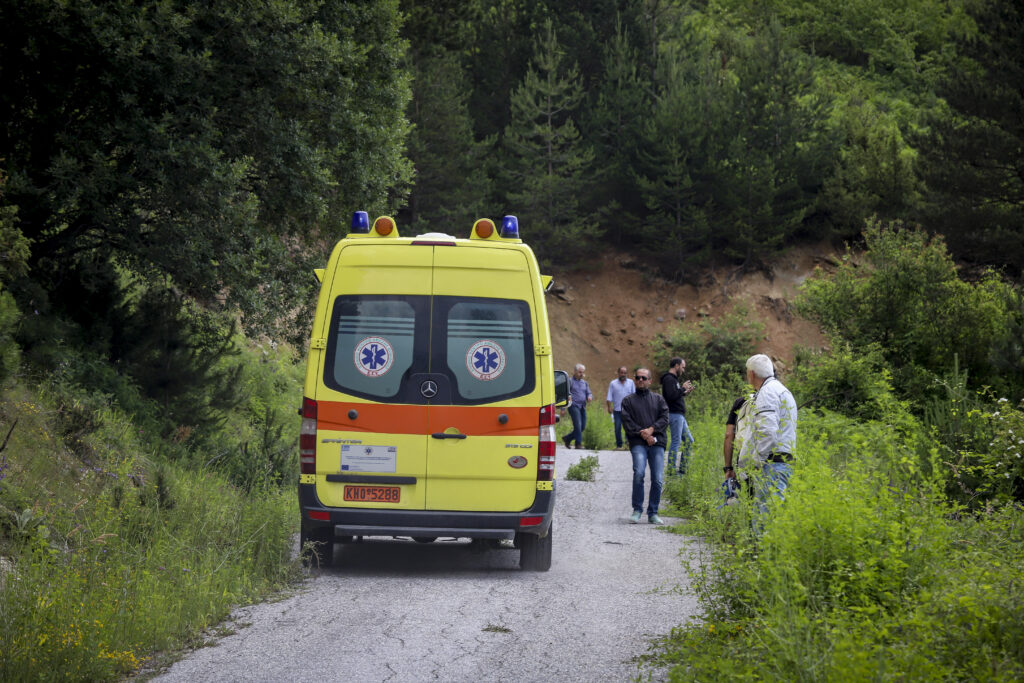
<point>256,447</point>
<point>585,469</point>
<point>14,253</point>
<point>856,386</point>
<point>600,431</point>
<point>10,352</point>
<point>712,348</point>
<point>907,301</point>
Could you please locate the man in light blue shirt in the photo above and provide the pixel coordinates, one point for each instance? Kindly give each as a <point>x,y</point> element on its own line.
<point>619,389</point>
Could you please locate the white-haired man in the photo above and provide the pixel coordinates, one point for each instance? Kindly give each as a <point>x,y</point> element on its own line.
<point>579,397</point>
<point>767,432</point>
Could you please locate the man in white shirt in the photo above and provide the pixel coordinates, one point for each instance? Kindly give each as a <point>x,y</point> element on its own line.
<point>768,432</point>
<point>620,388</point>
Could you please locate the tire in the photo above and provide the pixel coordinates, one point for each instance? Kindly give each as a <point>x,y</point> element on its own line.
<point>535,552</point>
<point>321,541</point>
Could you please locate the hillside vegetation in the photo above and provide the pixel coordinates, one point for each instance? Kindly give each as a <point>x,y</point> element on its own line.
<point>171,171</point>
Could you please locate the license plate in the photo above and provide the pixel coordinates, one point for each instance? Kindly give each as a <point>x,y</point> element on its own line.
<point>373,494</point>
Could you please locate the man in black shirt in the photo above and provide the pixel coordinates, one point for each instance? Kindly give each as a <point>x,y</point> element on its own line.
<point>644,417</point>
<point>730,436</point>
<point>674,394</point>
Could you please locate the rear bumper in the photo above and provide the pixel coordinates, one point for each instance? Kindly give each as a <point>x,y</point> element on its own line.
<point>428,523</point>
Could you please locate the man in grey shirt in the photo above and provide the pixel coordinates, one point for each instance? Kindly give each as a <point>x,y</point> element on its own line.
<point>580,397</point>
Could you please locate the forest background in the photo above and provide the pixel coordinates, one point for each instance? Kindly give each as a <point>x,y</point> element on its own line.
<point>170,172</point>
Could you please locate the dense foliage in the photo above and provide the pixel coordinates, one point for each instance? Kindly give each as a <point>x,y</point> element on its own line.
<point>865,572</point>
<point>169,171</point>
<point>193,143</point>
<point>718,129</point>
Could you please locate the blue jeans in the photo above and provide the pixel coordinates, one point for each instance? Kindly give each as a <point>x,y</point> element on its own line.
<point>579,423</point>
<point>617,419</point>
<point>771,479</point>
<point>679,433</point>
<point>644,456</point>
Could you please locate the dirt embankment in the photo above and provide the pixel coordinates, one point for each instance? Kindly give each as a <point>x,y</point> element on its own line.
<point>606,314</point>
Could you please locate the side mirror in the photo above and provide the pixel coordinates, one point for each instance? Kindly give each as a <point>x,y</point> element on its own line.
<point>561,388</point>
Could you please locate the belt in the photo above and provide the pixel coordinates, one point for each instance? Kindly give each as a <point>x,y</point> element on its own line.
<point>780,457</point>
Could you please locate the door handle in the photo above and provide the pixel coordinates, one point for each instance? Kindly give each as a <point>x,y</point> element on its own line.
<point>442,435</point>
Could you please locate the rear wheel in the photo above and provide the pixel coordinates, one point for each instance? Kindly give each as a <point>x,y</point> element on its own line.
<point>321,541</point>
<point>535,551</point>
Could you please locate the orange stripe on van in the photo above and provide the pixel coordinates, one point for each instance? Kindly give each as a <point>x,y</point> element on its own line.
<point>409,419</point>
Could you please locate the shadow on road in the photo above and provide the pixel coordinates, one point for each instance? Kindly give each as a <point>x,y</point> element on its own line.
<point>406,558</point>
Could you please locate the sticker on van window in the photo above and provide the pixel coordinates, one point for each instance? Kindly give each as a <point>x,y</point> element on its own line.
<point>374,356</point>
<point>485,360</point>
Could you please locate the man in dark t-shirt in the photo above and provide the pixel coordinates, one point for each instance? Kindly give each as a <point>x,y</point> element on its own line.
<point>730,436</point>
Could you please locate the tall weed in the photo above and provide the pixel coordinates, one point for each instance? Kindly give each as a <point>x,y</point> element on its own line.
<point>116,552</point>
<point>863,573</point>
<point>125,574</point>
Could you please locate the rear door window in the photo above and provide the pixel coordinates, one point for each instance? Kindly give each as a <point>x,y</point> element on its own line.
<point>476,350</point>
<point>375,343</point>
<point>487,347</point>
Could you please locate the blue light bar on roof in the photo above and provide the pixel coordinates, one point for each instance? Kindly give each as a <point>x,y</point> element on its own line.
<point>361,222</point>
<point>510,227</point>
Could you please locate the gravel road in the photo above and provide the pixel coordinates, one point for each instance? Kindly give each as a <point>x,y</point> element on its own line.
<point>402,611</point>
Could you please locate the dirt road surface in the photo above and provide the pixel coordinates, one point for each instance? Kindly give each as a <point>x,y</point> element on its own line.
<point>402,611</point>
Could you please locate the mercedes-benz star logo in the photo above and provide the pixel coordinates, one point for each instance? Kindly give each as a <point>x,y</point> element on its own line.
<point>429,389</point>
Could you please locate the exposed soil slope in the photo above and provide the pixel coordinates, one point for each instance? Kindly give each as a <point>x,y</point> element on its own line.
<point>606,314</point>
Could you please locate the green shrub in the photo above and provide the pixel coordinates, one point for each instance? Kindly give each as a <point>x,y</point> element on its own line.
<point>600,431</point>
<point>857,386</point>
<point>712,347</point>
<point>585,469</point>
<point>258,444</point>
<point>10,352</point>
<point>906,300</point>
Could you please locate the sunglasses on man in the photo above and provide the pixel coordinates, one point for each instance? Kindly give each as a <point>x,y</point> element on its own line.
<point>641,378</point>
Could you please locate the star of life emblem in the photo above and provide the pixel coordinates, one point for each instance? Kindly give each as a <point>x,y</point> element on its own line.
<point>485,360</point>
<point>374,356</point>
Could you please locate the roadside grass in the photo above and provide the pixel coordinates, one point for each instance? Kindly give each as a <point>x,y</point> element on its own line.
<point>600,431</point>
<point>112,551</point>
<point>865,572</point>
<point>585,469</point>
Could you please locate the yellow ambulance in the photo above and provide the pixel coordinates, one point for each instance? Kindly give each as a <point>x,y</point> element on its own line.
<point>429,401</point>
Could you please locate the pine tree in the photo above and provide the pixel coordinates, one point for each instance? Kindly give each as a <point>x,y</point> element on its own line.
<point>678,166</point>
<point>974,149</point>
<point>615,125</point>
<point>547,161</point>
<point>452,185</point>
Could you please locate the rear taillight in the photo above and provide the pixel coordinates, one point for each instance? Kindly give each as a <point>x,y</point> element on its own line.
<point>307,438</point>
<point>546,450</point>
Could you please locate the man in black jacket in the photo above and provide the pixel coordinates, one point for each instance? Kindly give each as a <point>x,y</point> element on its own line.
<point>644,417</point>
<point>674,394</point>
